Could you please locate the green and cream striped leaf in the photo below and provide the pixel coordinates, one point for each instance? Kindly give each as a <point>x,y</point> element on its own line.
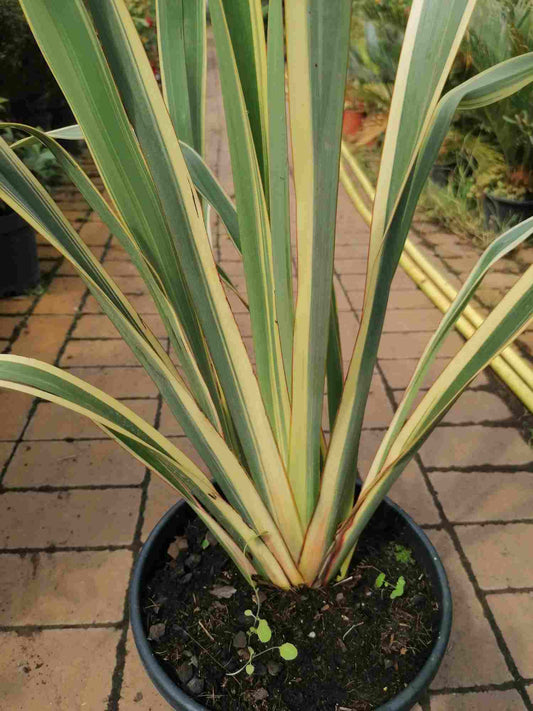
<point>279,182</point>
<point>244,21</point>
<point>255,236</point>
<point>181,33</point>
<point>485,88</point>
<point>144,104</point>
<point>22,192</point>
<point>317,54</point>
<point>137,436</point>
<point>116,226</point>
<point>422,71</point>
<point>72,49</point>
<point>507,320</point>
<point>496,250</point>
<point>209,187</point>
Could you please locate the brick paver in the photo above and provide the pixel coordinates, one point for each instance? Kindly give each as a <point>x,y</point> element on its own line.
<point>74,508</point>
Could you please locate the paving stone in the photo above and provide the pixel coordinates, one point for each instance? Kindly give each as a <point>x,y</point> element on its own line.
<point>120,268</point>
<point>398,371</point>
<point>514,615</point>
<point>378,411</point>
<point>42,337</point>
<point>107,352</point>
<point>118,382</point>
<point>412,345</point>
<point>355,298</point>
<point>131,285</point>
<point>410,491</point>
<point>63,296</point>
<point>161,497</point>
<point>409,299</point>
<point>475,446</point>
<point>94,326</point>
<point>5,452</point>
<point>7,325</point>
<point>348,328</point>
<point>55,422</point>
<point>478,406</point>
<point>16,305</point>
<point>500,554</point>
<point>403,320</point>
<point>484,701</point>
<point>37,464</point>
<point>350,266</point>
<point>18,406</point>
<point>484,496</point>
<point>473,656</point>
<point>63,588</point>
<point>137,691</point>
<point>68,518</point>
<point>94,233</point>
<point>59,669</point>
<point>168,424</point>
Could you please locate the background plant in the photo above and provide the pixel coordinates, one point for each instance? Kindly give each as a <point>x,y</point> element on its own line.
<point>286,507</point>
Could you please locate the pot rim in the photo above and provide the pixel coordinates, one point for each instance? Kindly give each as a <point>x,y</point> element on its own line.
<point>173,694</point>
<point>508,201</point>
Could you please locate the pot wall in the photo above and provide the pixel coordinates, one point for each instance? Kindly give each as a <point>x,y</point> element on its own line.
<point>173,524</point>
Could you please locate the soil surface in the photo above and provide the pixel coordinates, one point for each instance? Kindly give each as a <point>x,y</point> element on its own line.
<point>356,646</point>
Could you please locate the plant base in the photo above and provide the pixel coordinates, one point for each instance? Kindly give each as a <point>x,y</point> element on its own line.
<point>319,618</point>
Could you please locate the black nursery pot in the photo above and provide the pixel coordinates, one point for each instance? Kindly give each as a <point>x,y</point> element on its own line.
<point>19,263</point>
<point>174,522</point>
<point>442,172</point>
<point>499,211</point>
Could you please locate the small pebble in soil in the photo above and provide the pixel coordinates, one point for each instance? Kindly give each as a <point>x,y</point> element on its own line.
<point>193,560</point>
<point>273,668</point>
<point>185,672</point>
<point>240,640</point>
<point>195,686</point>
<point>157,631</point>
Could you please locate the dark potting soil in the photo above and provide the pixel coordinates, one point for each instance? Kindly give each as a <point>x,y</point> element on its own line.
<point>357,647</point>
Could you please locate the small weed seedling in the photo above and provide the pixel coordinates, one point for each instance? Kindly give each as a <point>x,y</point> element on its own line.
<point>397,590</point>
<point>403,554</point>
<point>262,630</point>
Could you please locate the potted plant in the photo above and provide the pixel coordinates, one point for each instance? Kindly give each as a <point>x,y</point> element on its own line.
<point>285,505</point>
<point>19,261</point>
<point>500,30</point>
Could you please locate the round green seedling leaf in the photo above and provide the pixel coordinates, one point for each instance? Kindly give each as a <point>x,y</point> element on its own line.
<point>288,651</point>
<point>264,632</point>
<point>250,669</point>
<point>248,613</point>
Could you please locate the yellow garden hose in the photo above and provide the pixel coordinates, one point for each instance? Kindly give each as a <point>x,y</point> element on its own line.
<point>509,365</point>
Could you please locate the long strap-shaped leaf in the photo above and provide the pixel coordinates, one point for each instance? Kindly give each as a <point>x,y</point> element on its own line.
<point>133,433</point>
<point>507,320</point>
<point>116,226</point>
<point>20,190</point>
<point>279,182</point>
<point>255,235</point>
<point>67,39</point>
<point>496,250</point>
<point>244,20</point>
<point>62,33</point>
<point>181,32</point>
<point>317,54</point>
<point>422,71</point>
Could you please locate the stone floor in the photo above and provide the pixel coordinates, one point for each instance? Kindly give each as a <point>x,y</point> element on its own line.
<point>74,509</point>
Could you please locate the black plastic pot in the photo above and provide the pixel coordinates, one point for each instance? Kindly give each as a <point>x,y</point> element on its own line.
<point>503,212</point>
<point>442,172</point>
<point>19,263</point>
<point>173,523</point>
